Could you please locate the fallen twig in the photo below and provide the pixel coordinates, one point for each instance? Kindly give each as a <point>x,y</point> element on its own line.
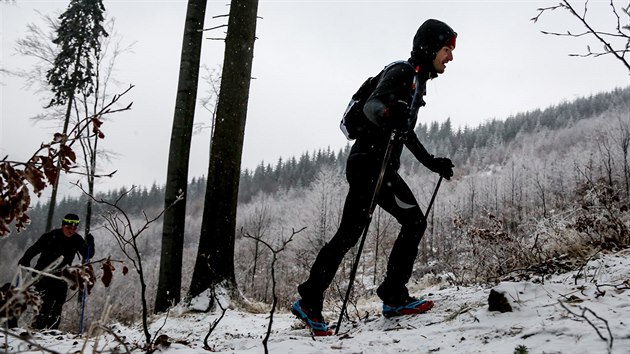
<point>608,340</point>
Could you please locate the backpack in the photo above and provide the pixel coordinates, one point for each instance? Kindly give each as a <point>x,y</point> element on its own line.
<point>355,123</point>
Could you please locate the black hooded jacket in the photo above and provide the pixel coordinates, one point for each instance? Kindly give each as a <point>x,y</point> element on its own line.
<point>55,244</point>
<point>396,87</point>
<point>399,94</point>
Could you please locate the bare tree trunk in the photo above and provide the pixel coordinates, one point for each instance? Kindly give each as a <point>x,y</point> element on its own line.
<point>254,291</point>
<point>540,186</point>
<point>55,186</point>
<point>215,257</point>
<point>91,177</point>
<point>471,190</point>
<point>169,284</point>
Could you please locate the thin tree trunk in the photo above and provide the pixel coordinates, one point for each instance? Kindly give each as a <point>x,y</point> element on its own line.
<point>255,265</point>
<point>91,177</point>
<point>53,195</point>
<point>169,284</point>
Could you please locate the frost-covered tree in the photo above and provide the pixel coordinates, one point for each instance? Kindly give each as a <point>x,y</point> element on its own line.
<point>258,220</point>
<point>615,38</point>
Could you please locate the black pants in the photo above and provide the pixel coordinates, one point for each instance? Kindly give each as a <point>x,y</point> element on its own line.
<point>396,198</point>
<point>53,294</point>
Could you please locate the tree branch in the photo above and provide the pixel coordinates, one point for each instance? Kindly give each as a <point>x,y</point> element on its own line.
<point>275,252</point>
<point>590,30</point>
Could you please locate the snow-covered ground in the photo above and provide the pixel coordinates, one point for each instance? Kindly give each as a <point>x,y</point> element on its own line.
<point>563,315</point>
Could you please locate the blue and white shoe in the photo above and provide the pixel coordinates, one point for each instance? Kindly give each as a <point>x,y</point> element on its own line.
<point>409,306</point>
<point>313,319</point>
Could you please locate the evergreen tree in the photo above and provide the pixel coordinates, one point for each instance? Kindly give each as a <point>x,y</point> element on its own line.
<point>79,40</point>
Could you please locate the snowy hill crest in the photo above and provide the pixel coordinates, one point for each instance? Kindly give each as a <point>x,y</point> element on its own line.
<point>583,311</point>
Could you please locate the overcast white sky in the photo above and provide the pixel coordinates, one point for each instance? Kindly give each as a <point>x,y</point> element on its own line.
<point>309,58</point>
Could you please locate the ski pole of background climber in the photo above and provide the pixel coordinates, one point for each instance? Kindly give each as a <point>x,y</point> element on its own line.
<point>377,188</point>
<point>83,300</point>
<point>84,293</point>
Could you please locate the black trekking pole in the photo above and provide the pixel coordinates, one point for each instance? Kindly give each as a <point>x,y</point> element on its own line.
<point>426,214</point>
<point>379,182</point>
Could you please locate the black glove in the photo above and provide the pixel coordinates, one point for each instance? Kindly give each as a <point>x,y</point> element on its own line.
<point>442,166</point>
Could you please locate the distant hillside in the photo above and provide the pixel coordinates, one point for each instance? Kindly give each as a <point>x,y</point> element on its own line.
<point>440,139</point>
